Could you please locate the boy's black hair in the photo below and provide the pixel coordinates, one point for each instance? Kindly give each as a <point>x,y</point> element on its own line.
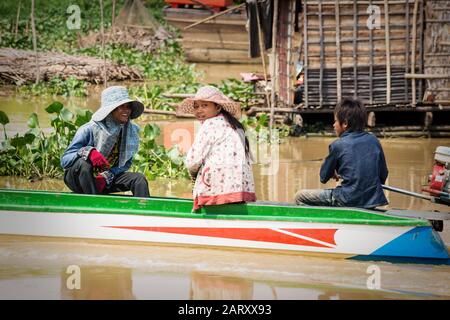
<point>235,124</point>
<point>352,112</point>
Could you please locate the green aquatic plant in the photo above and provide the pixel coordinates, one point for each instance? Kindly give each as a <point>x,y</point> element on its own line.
<point>238,91</point>
<point>37,154</point>
<point>57,87</point>
<point>258,128</point>
<point>154,160</point>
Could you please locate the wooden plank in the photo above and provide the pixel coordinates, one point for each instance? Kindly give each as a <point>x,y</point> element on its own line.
<point>426,76</point>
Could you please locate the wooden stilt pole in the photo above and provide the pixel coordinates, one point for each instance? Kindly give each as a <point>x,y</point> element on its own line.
<point>388,52</point>
<point>338,51</point>
<point>274,55</point>
<point>413,51</point>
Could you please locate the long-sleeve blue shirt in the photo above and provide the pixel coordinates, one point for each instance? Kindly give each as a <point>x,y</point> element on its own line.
<point>358,158</point>
<point>84,138</point>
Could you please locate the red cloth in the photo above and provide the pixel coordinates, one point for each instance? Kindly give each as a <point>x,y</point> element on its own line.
<point>235,197</point>
<point>100,183</point>
<point>98,160</point>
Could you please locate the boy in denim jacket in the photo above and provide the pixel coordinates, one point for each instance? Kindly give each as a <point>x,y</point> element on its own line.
<point>356,157</point>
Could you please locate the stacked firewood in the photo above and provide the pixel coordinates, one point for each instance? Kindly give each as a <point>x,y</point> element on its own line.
<point>19,66</point>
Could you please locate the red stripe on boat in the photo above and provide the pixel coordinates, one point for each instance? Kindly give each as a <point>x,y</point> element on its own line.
<point>252,234</point>
<point>325,235</point>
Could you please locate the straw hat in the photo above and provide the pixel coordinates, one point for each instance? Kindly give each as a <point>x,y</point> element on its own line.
<point>113,97</point>
<point>212,94</point>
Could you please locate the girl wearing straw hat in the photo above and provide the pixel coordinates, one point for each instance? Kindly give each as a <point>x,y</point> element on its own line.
<point>219,160</point>
<point>102,150</point>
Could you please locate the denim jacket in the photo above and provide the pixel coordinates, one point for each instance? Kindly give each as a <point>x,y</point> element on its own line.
<point>81,146</point>
<point>358,159</point>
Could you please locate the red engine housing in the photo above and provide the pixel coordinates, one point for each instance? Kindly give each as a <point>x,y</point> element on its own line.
<point>437,180</point>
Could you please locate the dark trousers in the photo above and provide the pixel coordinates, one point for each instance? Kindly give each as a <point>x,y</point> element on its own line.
<point>80,179</point>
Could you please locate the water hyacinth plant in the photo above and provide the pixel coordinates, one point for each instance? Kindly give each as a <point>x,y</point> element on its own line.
<point>71,87</point>
<point>36,154</point>
<point>154,160</point>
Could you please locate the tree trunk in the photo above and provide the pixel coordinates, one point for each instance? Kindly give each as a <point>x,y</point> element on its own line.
<point>17,22</point>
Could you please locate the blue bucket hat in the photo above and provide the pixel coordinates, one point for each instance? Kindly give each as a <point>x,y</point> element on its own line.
<point>114,97</point>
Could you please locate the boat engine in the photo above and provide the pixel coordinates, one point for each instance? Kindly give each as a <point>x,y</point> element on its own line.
<point>439,180</point>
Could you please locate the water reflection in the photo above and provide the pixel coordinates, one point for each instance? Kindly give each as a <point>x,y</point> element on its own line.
<point>206,286</point>
<point>98,283</point>
<point>41,268</point>
<point>119,283</point>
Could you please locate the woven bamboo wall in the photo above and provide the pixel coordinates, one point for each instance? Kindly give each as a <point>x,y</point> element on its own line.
<point>343,57</point>
<point>437,50</point>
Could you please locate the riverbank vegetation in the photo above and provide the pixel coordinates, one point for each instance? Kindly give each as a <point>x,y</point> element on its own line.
<point>36,154</point>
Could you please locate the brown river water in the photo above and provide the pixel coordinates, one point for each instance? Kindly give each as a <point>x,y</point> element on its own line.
<point>40,268</point>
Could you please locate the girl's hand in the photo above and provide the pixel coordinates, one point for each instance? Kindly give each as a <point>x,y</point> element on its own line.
<point>193,176</point>
<point>336,176</point>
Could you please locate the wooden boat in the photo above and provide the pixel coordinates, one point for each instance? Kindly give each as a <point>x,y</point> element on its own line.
<point>221,40</point>
<point>349,232</point>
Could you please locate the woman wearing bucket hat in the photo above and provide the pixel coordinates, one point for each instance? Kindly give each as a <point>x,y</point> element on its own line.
<point>220,159</point>
<point>102,150</point>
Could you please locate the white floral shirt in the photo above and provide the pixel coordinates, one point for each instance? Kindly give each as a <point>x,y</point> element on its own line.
<point>218,160</point>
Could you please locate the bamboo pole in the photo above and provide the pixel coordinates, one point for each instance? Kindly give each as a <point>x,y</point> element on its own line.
<point>168,113</point>
<point>305,63</point>
<point>102,31</point>
<point>388,52</point>
<point>261,46</point>
<point>338,51</point>
<point>289,52</point>
<point>407,49</point>
<point>413,51</point>
<point>33,28</point>
<point>262,51</point>
<point>355,49</point>
<point>371,64</point>
<point>213,16</point>
<point>16,31</point>
<point>274,56</point>
<point>322,51</point>
<point>421,46</point>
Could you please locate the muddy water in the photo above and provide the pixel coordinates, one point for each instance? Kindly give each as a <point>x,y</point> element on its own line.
<point>38,268</point>
<point>214,73</point>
